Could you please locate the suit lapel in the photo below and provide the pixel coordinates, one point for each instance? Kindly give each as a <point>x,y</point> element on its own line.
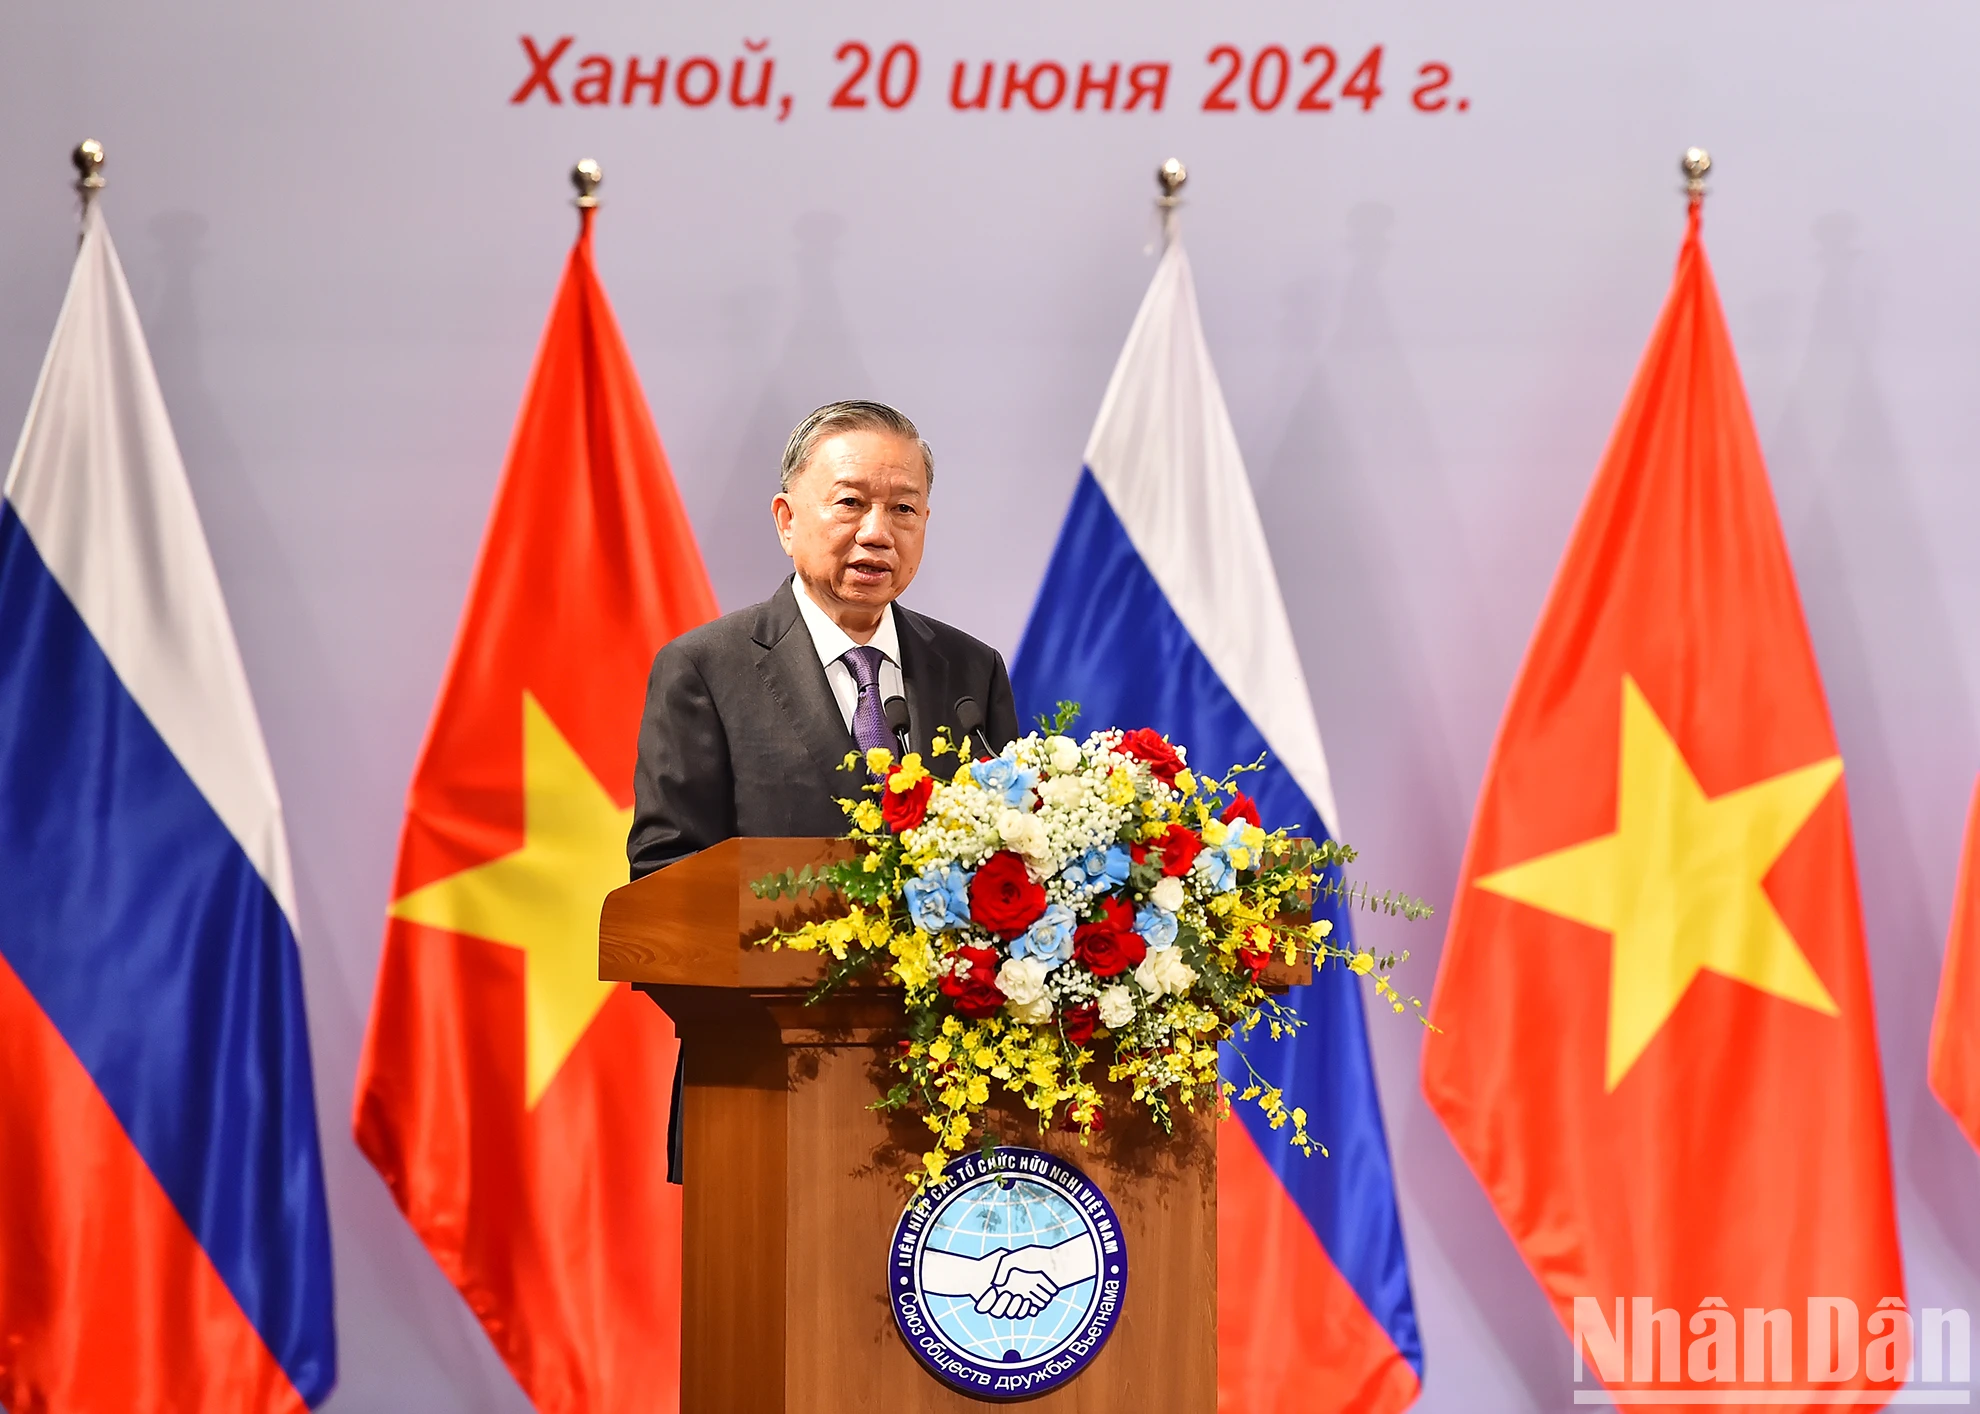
<point>788,663</point>
<point>925,681</point>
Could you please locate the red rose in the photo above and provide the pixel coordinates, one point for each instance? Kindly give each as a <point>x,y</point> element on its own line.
<point>1254,961</point>
<point>1117,911</point>
<point>1147,744</point>
<point>1242,807</point>
<point>1002,897</point>
<point>905,809</point>
<point>1110,946</point>
<point>972,985</point>
<point>1179,846</point>
<point>1079,1021</point>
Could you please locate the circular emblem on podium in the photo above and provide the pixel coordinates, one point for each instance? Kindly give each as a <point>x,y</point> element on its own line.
<point>1007,1277</point>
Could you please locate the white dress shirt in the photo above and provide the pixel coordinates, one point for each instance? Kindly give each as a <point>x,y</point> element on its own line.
<point>831,641</point>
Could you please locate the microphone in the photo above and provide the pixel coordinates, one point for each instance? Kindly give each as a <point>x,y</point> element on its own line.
<point>896,709</point>
<point>969,721</point>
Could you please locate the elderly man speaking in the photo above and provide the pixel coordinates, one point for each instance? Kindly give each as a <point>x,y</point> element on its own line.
<point>749,718</point>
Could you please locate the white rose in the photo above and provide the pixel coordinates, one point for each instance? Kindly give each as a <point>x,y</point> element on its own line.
<point>1063,754</point>
<point>1032,1013</point>
<point>1064,791</point>
<point>1164,970</point>
<point>1023,832</point>
<point>1022,981</point>
<point>1168,894</point>
<point>1116,1006</point>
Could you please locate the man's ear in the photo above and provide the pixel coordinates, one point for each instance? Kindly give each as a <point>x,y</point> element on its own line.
<point>781,511</point>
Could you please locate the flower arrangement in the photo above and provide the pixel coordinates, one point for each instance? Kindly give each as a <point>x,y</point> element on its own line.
<point>1067,899</point>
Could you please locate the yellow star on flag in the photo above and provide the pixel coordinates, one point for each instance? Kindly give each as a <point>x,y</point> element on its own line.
<point>1678,885</point>
<point>544,897</point>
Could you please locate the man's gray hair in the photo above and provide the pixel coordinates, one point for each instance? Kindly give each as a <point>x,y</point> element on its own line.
<point>851,415</point>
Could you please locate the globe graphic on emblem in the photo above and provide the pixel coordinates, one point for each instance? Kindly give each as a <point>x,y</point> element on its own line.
<point>996,1214</point>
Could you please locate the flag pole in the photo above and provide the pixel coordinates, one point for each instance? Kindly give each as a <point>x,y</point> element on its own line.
<point>88,158</point>
<point>1695,163</point>
<point>1170,177</point>
<point>587,177</point>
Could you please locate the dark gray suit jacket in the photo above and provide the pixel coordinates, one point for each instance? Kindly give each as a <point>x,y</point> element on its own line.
<point>742,735</point>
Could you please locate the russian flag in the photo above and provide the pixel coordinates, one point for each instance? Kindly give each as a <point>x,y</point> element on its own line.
<point>1160,608</point>
<point>163,1239</point>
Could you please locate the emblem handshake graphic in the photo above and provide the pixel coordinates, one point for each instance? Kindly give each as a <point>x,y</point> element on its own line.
<point>1016,1283</point>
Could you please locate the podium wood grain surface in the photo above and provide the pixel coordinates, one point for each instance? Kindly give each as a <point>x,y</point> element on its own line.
<point>793,1183</point>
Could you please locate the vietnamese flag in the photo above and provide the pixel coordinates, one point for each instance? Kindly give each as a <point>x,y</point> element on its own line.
<point>516,1105</point>
<point>1954,1067</point>
<point>1655,1043</point>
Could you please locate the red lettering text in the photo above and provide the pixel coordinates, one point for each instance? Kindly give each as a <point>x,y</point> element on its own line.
<point>1311,101</point>
<point>540,66</point>
<point>982,99</point>
<point>1218,99</point>
<point>900,74</point>
<point>845,97</point>
<point>759,99</point>
<point>1365,82</point>
<point>1428,95</point>
<point>1150,81</point>
<point>1089,84</point>
<point>1029,84</point>
<point>656,81</point>
<point>595,83</point>
<point>712,76</point>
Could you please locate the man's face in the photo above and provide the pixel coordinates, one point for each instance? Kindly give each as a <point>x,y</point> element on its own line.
<point>852,522</point>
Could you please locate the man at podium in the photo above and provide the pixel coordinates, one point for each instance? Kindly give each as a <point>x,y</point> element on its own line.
<point>749,719</point>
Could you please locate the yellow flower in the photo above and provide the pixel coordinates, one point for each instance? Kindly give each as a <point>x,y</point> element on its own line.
<point>915,965</point>
<point>939,1050</point>
<point>934,1162</point>
<point>911,774</point>
<point>1186,782</point>
<point>1215,832</point>
<point>866,815</point>
<point>1362,962</point>
<point>878,759</point>
<point>979,1090</point>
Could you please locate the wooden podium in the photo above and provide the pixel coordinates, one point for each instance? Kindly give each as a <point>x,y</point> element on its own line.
<point>793,1184</point>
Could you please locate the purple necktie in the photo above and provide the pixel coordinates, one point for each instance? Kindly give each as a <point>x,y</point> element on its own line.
<point>869,716</point>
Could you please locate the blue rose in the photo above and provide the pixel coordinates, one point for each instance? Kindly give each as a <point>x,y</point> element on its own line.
<point>957,885</point>
<point>1000,776</point>
<point>938,899</point>
<point>1157,926</point>
<point>1050,939</point>
<point>1098,869</point>
<point>1217,870</point>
